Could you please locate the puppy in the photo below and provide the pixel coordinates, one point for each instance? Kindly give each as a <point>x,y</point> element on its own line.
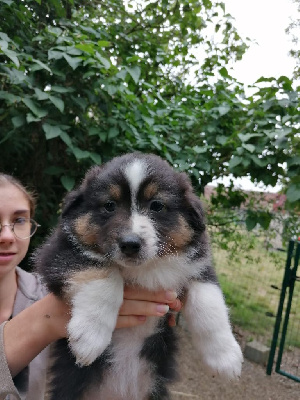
<point>134,220</point>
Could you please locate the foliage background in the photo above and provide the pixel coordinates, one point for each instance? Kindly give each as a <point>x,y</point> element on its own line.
<point>83,81</point>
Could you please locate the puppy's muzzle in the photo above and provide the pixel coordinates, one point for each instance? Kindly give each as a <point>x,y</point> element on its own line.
<point>130,244</point>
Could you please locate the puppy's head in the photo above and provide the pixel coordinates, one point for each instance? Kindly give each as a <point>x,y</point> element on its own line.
<point>132,210</point>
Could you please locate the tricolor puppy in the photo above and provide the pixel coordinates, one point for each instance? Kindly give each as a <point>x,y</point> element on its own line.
<point>133,220</point>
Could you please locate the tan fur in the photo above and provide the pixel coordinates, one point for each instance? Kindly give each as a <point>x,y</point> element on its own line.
<point>85,276</point>
<point>115,192</point>
<point>182,235</point>
<point>86,230</point>
<point>150,191</point>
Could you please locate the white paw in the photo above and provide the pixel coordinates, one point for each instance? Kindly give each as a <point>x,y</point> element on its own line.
<point>88,340</point>
<point>223,358</point>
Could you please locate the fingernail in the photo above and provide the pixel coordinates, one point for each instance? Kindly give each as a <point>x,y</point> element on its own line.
<point>162,309</point>
<point>170,295</point>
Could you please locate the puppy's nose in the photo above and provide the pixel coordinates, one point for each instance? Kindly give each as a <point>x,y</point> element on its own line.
<point>130,244</point>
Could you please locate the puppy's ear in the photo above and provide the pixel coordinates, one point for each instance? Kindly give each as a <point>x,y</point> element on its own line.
<point>196,212</point>
<point>193,205</point>
<point>76,197</point>
<point>71,201</point>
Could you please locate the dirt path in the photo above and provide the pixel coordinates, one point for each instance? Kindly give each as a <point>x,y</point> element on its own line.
<point>253,385</point>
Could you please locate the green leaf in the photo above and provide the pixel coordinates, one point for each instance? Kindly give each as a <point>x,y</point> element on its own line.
<point>31,118</point>
<point>105,62</point>
<point>199,150</point>
<point>223,109</point>
<point>135,73</point>
<point>122,74</point>
<point>96,158</point>
<point>150,121</point>
<point>247,136</point>
<point>251,222</point>
<point>74,62</point>
<point>18,121</point>
<point>8,2</point>
<point>3,45</point>
<point>223,72</point>
<point>58,103</point>
<point>68,182</point>
<point>249,147</point>
<point>62,89</point>
<point>104,43</point>
<point>80,154</point>
<point>40,94</point>
<point>293,192</point>
<point>56,55</point>
<point>113,132</point>
<point>42,65</point>
<point>51,131</point>
<point>235,161</point>
<point>87,47</point>
<point>66,138</point>
<point>37,111</point>
<point>264,219</point>
<point>221,139</point>
<point>12,55</point>
<point>10,98</point>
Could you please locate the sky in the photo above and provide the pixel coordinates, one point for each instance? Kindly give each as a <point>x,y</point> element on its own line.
<point>263,21</point>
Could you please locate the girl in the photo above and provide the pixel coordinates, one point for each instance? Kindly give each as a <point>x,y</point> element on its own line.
<point>30,318</point>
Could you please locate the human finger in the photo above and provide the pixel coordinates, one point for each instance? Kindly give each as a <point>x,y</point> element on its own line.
<point>162,296</point>
<point>141,307</point>
<point>176,305</point>
<point>129,321</point>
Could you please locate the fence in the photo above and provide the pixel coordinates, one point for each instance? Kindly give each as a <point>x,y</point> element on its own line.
<point>289,305</point>
<point>252,288</point>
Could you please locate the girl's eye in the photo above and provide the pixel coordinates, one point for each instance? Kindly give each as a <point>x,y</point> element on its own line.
<point>21,221</point>
<point>157,206</point>
<point>110,206</point>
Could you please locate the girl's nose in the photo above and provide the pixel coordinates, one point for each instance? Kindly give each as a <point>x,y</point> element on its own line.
<point>6,234</point>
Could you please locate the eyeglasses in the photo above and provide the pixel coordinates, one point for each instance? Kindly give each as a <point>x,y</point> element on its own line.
<point>23,228</point>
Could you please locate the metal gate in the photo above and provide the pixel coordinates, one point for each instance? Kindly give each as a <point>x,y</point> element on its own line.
<point>287,297</point>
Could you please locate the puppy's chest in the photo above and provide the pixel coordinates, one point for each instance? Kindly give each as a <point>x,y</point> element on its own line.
<point>130,374</point>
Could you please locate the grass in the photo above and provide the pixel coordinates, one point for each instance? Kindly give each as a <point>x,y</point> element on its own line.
<point>248,282</point>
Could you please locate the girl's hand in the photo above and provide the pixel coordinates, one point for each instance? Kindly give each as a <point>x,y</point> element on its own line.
<point>140,303</point>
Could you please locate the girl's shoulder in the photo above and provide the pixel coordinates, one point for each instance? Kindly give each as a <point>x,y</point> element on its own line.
<point>30,285</point>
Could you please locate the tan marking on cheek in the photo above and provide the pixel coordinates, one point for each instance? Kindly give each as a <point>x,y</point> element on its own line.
<point>115,192</point>
<point>86,230</point>
<point>150,191</point>
<point>182,236</point>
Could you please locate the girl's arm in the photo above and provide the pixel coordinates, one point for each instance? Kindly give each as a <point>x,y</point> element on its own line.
<point>29,332</point>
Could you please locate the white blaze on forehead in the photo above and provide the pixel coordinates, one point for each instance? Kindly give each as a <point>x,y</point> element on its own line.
<point>135,173</point>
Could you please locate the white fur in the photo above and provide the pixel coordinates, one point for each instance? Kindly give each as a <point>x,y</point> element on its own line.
<point>171,272</point>
<point>131,374</point>
<point>143,227</point>
<point>135,173</point>
<point>95,306</point>
<point>207,318</point>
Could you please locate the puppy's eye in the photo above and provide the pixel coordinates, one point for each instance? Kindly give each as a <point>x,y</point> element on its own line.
<point>110,206</point>
<point>157,206</point>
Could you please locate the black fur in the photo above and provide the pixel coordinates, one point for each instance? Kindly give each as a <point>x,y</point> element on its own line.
<point>93,235</point>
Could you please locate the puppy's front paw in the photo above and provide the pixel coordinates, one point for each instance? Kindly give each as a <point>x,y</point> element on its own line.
<point>88,339</point>
<point>223,357</point>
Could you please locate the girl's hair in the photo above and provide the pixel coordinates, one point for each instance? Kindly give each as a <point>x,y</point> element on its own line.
<point>30,195</point>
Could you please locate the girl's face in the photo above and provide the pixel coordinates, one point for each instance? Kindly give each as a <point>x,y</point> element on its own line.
<point>13,205</point>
